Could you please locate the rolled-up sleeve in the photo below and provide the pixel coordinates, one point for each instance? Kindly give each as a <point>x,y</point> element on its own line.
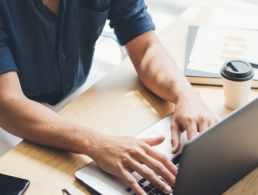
<point>129,18</point>
<point>7,62</point>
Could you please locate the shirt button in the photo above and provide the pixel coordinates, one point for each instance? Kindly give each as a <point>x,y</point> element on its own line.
<point>64,56</point>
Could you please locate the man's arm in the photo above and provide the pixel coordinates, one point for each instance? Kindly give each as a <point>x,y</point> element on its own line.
<point>35,122</point>
<point>161,75</point>
<point>116,155</point>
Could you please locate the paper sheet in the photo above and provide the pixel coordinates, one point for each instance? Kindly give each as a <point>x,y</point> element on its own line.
<point>214,46</point>
<point>234,19</point>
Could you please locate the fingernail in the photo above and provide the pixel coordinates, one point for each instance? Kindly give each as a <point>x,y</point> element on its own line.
<point>168,189</point>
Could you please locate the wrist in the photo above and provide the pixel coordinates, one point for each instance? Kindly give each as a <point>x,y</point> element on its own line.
<point>91,143</point>
<point>186,94</point>
<point>83,140</point>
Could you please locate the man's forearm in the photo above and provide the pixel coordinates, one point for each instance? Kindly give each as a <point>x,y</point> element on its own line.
<point>36,123</point>
<point>158,71</point>
<point>162,76</point>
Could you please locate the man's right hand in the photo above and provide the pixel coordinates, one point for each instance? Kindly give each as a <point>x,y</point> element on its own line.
<point>121,156</point>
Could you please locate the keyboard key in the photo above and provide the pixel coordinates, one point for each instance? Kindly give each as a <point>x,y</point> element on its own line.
<point>157,191</point>
<point>128,189</point>
<point>152,186</point>
<point>147,189</point>
<point>142,180</point>
<point>176,159</point>
<point>146,183</point>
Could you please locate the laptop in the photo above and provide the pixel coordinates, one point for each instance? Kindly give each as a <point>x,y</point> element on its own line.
<point>209,164</point>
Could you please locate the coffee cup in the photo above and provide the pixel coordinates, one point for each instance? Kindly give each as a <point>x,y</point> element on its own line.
<point>237,80</point>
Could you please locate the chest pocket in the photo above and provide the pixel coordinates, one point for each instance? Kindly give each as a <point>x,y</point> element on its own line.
<point>90,24</point>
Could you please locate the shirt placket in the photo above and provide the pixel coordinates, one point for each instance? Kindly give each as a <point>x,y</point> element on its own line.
<point>62,55</point>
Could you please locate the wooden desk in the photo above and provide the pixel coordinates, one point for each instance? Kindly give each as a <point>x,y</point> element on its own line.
<point>118,105</point>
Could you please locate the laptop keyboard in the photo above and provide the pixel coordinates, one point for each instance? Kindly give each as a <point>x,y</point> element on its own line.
<point>148,187</point>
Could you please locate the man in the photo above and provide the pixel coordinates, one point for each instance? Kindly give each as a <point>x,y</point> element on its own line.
<point>46,49</point>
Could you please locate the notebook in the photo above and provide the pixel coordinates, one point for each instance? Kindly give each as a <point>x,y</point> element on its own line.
<point>208,47</point>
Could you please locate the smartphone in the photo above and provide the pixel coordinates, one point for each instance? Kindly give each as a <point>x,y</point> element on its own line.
<point>10,185</point>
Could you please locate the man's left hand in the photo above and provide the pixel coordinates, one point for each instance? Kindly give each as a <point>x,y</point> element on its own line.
<point>191,115</point>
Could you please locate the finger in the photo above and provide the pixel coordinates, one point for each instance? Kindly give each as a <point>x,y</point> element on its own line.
<point>217,117</point>
<point>203,126</point>
<point>175,137</point>
<point>191,130</point>
<point>160,164</point>
<point>213,122</point>
<point>161,158</point>
<point>154,140</point>
<point>148,174</point>
<point>132,182</point>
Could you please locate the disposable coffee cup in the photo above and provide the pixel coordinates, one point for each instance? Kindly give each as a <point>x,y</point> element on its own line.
<point>237,78</point>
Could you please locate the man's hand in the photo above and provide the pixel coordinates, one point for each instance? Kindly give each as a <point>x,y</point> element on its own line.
<point>192,115</point>
<point>160,73</point>
<point>123,155</point>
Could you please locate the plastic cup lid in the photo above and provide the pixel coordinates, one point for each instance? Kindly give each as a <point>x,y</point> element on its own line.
<point>237,70</point>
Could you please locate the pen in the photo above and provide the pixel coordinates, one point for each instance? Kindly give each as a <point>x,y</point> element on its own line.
<point>66,192</point>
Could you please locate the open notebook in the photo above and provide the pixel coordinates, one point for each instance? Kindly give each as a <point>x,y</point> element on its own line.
<point>208,47</point>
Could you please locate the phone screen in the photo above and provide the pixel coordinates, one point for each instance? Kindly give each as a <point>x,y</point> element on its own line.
<point>10,185</point>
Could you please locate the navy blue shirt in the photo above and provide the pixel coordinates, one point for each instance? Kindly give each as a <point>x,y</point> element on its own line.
<point>53,54</point>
